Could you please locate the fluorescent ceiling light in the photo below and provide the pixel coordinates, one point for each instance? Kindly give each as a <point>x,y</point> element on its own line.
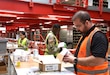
<point>65,26</point>
<point>47,22</point>
<point>11,21</point>
<point>21,29</point>
<point>66,0</point>
<point>27,26</point>
<point>7,15</point>
<point>45,28</point>
<point>7,22</point>
<point>2,28</point>
<point>97,19</point>
<point>25,0</point>
<point>3,31</point>
<point>46,18</point>
<point>40,24</point>
<point>25,18</point>
<point>59,16</point>
<point>33,30</point>
<point>14,12</point>
<point>17,18</point>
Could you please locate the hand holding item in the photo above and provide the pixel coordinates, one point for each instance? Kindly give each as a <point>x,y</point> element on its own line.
<point>20,45</point>
<point>69,58</point>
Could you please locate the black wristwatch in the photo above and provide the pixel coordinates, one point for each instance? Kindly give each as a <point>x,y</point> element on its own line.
<point>75,60</point>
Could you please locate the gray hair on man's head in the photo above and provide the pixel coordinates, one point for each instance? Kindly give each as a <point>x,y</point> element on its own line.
<point>82,15</point>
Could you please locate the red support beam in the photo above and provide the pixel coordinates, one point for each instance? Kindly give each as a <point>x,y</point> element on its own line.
<point>56,9</point>
<point>78,3</point>
<point>31,4</point>
<point>58,1</point>
<point>100,6</point>
<point>50,1</point>
<point>86,3</point>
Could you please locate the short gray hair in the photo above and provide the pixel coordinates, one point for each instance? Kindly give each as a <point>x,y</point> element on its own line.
<point>82,15</point>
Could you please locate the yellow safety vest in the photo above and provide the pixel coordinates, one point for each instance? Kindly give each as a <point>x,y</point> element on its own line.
<point>23,43</point>
<point>47,51</point>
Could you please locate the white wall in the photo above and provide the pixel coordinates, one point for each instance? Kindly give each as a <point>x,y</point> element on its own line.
<point>108,3</point>
<point>90,2</point>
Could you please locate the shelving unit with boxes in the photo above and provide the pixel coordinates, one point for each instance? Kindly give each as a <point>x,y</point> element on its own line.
<point>96,3</point>
<point>76,37</point>
<point>77,34</point>
<point>103,29</point>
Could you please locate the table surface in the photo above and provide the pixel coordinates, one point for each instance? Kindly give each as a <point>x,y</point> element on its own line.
<point>27,67</point>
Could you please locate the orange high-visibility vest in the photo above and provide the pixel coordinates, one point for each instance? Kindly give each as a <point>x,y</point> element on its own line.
<point>84,51</point>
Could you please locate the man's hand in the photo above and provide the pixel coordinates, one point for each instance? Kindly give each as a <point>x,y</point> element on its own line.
<point>20,45</point>
<point>69,58</point>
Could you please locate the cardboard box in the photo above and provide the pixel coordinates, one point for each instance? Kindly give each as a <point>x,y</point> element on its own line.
<point>49,63</point>
<point>49,67</point>
<point>109,49</point>
<point>3,68</point>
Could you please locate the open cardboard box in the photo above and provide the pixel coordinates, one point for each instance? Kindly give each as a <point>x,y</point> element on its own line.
<point>49,63</point>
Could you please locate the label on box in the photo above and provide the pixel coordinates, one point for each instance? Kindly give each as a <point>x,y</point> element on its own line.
<point>51,67</point>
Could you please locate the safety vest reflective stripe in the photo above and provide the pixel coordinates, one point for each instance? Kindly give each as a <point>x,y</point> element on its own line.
<point>93,72</point>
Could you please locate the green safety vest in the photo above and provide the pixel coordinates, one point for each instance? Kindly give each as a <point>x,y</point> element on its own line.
<point>23,43</point>
<point>50,52</point>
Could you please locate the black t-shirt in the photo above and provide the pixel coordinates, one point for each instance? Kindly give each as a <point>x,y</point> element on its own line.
<point>99,44</point>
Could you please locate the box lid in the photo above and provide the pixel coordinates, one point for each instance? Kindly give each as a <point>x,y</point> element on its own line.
<point>48,59</point>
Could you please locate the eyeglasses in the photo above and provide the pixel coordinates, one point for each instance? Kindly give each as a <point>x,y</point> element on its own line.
<point>77,26</point>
